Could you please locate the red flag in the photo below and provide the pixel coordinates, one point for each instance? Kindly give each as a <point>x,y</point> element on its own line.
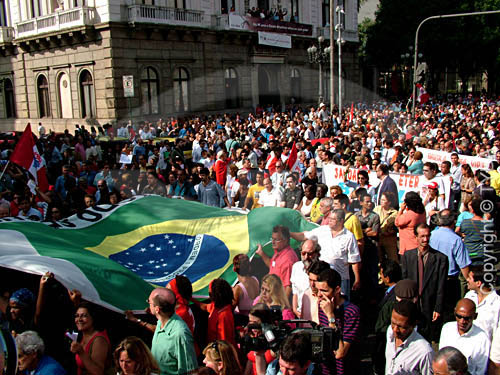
<point>271,163</point>
<point>423,97</point>
<point>293,160</point>
<point>27,156</point>
<point>352,113</point>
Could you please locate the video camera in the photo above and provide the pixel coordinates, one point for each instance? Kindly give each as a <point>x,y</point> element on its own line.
<point>324,340</point>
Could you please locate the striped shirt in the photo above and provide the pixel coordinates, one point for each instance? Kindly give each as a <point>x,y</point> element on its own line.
<point>348,320</point>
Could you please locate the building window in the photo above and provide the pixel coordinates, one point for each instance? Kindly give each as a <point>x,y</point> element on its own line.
<point>35,8</point>
<point>87,95</point>
<point>64,91</point>
<point>180,4</point>
<point>295,83</point>
<point>181,90</point>
<point>227,6</point>
<point>3,14</point>
<point>263,4</point>
<point>150,87</point>
<point>43,96</point>
<point>294,16</point>
<point>10,105</point>
<point>325,11</point>
<point>231,88</point>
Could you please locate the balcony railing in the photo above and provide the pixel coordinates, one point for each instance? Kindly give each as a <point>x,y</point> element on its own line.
<point>220,22</point>
<point>164,15</point>
<point>81,16</point>
<point>6,34</point>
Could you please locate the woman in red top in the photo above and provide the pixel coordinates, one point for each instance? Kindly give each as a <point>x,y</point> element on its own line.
<point>92,349</point>
<point>221,319</point>
<point>183,290</point>
<point>411,214</point>
<point>220,168</point>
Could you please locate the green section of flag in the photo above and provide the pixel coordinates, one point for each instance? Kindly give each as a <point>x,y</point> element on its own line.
<point>117,285</point>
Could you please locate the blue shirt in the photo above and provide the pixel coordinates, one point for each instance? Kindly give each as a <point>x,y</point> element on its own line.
<point>47,366</point>
<point>274,368</point>
<point>211,195</point>
<point>446,241</point>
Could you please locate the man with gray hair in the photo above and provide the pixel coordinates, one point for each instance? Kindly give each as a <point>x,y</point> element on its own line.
<point>450,361</point>
<point>339,247</point>
<point>31,358</point>
<point>325,207</point>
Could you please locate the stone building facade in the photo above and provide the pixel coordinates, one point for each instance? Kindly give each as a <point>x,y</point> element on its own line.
<point>63,62</point>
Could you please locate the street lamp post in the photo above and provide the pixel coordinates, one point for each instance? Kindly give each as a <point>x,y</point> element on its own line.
<point>339,28</point>
<point>318,55</point>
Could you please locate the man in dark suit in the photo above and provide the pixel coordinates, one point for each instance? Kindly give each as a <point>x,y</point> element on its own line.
<point>390,272</point>
<point>429,268</point>
<point>386,184</point>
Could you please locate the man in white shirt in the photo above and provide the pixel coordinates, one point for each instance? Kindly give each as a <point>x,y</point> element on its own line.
<point>486,299</point>
<point>430,172</point>
<point>406,351</point>
<point>339,247</point>
<point>300,280</point>
<point>471,340</point>
<point>270,196</point>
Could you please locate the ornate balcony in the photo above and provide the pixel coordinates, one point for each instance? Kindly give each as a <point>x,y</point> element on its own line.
<point>66,19</point>
<point>166,16</point>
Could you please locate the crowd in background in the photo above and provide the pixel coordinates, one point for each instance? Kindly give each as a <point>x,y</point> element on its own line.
<point>408,270</point>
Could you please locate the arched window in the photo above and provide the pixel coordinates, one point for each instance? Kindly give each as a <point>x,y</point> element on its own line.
<point>64,91</point>
<point>150,87</point>
<point>181,90</point>
<point>43,96</point>
<point>295,84</point>
<point>10,104</point>
<point>231,87</point>
<point>87,94</point>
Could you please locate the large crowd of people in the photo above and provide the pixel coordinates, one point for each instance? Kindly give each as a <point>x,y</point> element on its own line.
<point>415,272</point>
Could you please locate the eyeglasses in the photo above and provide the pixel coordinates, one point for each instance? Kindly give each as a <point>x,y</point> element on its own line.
<point>466,318</point>
<point>426,170</point>
<point>275,240</point>
<point>309,253</point>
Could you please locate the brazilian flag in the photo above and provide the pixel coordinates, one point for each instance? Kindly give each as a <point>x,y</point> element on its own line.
<point>116,254</point>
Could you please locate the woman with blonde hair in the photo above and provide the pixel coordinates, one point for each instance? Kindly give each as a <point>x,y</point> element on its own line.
<point>272,293</point>
<point>133,357</point>
<point>222,357</point>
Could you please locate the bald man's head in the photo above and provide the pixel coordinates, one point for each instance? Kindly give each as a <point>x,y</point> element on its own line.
<point>465,313</point>
<point>165,300</point>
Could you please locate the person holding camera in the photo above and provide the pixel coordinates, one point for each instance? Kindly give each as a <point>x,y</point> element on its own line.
<point>294,357</point>
<point>259,314</point>
<point>338,313</point>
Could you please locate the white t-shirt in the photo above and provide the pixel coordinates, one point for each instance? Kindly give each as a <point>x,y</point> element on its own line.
<point>337,251</point>
<point>270,198</point>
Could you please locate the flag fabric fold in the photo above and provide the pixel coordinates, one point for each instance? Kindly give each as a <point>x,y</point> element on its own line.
<point>27,156</point>
<point>139,244</point>
<point>293,160</point>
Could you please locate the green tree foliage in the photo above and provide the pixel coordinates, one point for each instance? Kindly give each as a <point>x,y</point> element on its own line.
<point>468,44</point>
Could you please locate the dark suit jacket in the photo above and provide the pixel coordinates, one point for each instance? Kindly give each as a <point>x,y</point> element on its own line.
<point>385,312</point>
<point>435,275</point>
<point>388,184</point>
